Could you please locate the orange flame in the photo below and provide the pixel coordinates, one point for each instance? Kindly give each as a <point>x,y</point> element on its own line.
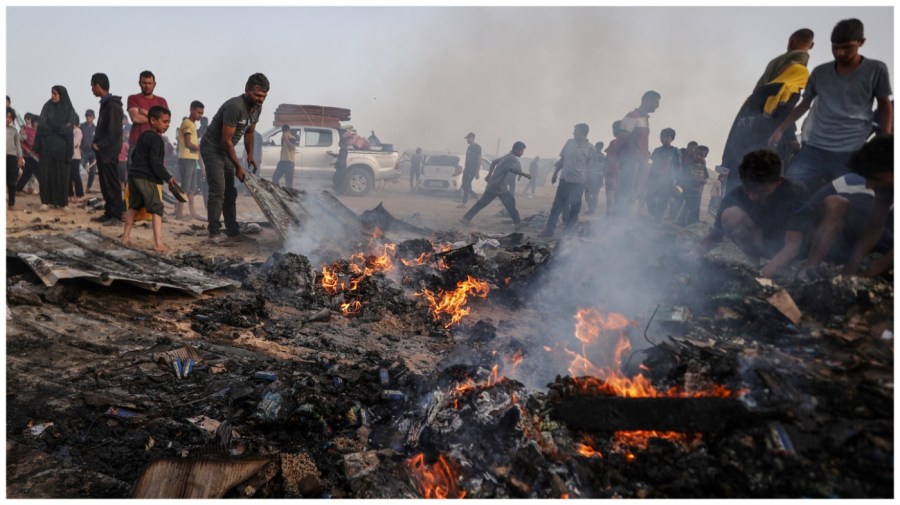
<point>609,380</point>
<point>586,448</point>
<point>453,303</point>
<point>360,266</point>
<point>438,480</point>
<point>353,307</point>
<point>422,259</point>
<point>330,281</point>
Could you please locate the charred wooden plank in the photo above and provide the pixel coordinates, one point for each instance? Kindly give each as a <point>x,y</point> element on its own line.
<point>613,413</point>
<point>287,208</point>
<point>168,478</point>
<point>381,218</point>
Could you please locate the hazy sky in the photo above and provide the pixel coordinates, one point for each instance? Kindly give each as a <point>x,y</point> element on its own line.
<point>424,76</point>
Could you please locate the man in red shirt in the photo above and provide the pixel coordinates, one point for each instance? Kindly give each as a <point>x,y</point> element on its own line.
<point>138,105</point>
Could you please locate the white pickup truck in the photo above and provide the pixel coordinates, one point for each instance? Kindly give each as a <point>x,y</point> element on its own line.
<point>364,167</point>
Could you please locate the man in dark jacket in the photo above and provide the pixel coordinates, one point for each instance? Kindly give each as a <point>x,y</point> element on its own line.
<point>107,144</point>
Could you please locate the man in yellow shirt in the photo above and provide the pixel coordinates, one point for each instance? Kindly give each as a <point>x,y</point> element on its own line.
<point>188,157</point>
<point>285,167</point>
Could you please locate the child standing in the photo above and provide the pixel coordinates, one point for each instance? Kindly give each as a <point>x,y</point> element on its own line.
<point>691,180</point>
<point>147,170</point>
<point>664,164</point>
<point>76,189</point>
<point>14,158</point>
<point>716,190</point>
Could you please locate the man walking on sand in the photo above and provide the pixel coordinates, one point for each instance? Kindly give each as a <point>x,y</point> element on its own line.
<point>471,169</point>
<point>497,186</point>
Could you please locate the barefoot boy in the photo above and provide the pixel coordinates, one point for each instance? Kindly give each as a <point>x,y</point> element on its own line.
<point>148,170</point>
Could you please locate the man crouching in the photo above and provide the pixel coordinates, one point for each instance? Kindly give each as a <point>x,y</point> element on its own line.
<point>762,216</point>
<point>146,172</point>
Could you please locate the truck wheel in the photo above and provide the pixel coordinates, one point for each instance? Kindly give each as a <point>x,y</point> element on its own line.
<point>358,182</point>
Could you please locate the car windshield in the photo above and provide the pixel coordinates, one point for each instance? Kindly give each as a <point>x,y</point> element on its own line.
<point>443,160</point>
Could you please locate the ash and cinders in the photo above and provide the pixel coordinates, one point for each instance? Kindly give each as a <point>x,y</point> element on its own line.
<point>382,399</point>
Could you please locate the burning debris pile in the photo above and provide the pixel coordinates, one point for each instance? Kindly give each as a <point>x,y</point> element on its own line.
<point>487,367</point>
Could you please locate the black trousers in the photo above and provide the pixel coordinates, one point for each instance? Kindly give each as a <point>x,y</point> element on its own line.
<point>75,186</point>
<point>86,158</point>
<point>111,188</point>
<point>12,173</point>
<point>467,187</point>
<point>29,170</point>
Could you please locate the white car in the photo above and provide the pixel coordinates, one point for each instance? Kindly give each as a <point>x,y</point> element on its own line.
<point>442,173</point>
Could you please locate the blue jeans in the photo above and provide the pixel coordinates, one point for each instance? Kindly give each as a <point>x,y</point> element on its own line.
<point>816,167</point>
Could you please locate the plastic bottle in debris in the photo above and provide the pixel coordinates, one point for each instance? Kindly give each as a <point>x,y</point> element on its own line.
<point>271,403</point>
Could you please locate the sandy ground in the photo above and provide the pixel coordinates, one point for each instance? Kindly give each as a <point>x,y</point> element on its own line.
<point>435,211</point>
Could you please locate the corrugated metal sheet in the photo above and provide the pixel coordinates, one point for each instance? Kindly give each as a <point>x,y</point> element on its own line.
<point>87,254</point>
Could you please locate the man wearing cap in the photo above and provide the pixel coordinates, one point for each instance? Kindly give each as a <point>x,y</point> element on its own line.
<point>471,169</point>
<point>497,187</point>
<point>87,139</point>
<point>576,159</point>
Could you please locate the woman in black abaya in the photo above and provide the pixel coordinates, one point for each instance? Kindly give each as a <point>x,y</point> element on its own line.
<point>54,143</point>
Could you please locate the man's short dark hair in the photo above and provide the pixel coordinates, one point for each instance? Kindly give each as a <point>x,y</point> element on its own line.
<point>847,30</point>
<point>89,112</point>
<point>285,128</point>
<point>617,125</point>
<point>650,95</point>
<point>11,111</point>
<point>197,104</point>
<point>804,35</point>
<point>692,143</point>
<point>583,127</point>
<point>599,146</point>
<point>257,80</point>
<point>100,79</point>
<point>667,132</point>
<point>876,156</point>
<point>158,111</point>
<point>760,167</point>
<point>703,148</point>
<point>518,145</point>
<point>147,73</point>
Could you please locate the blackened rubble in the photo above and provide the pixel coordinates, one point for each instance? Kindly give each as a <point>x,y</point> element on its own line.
<point>361,405</point>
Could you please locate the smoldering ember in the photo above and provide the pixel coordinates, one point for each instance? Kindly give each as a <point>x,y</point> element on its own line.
<point>369,354</point>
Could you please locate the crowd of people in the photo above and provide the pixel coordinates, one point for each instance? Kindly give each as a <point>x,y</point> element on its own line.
<point>129,155</point>
<point>827,198</point>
